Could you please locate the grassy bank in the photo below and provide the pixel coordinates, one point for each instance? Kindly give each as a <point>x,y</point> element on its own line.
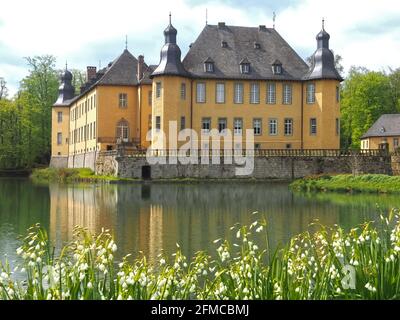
<point>311,266</point>
<point>71,175</point>
<point>372,183</point>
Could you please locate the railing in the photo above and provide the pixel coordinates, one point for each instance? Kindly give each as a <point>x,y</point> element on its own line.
<point>255,152</point>
<point>115,140</point>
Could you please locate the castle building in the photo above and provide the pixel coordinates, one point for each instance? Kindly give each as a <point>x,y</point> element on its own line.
<point>383,134</point>
<point>232,77</point>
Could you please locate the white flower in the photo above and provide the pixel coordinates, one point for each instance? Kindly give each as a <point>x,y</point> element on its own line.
<point>238,234</point>
<point>162,261</point>
<point>114,247</point>
<point>259,229</point>
<point>19,251</point>
<point>90,285</point>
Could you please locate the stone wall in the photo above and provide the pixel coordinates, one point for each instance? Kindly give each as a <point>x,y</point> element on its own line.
<point>84,160</point>
<point>274,167</point>
<point>58,162</point>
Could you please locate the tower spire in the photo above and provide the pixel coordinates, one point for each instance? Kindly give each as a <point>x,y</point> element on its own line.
<point>66,64</point>
<point>170,18</point>
<point>273,19</point>
<point>323,23</point>
<point>206,16</point>
<point>126,42</point>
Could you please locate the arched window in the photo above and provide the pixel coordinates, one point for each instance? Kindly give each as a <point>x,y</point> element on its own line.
<point>123,130</point>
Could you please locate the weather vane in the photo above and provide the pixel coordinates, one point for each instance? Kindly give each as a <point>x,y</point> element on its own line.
<point>274,19</point>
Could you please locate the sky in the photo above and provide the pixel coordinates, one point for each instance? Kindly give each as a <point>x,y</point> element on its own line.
<point>92,32</point>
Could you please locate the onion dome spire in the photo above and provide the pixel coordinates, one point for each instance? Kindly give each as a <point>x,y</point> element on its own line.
<point>170,57</point>
<point>323,61</point>
<point>66,91</point>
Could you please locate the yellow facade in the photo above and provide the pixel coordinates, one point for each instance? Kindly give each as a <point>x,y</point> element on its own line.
<point>60,131</point>
<point>376,143</point>
<point>170,106</point>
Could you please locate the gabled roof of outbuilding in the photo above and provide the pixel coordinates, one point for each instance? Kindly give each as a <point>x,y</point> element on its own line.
<point>387,125</point>
<point>240,42</point>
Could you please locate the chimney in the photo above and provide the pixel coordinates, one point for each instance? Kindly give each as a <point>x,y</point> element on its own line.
<point>221,25</point>
<point>140,67</point>
<point>90,73</point>
<point>262,28</point>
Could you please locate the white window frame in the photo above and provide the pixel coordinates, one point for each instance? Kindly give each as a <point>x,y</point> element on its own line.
<point>287,93</point>
<point>203,122</point>
<point>201,92</point>
<point>220,92</point>
<point>238,126</point>
<point>310,93</point>
<point>59,138</point>
<point>123,100</point>
<point>273,126</point>
<point>257,126</point>
<point>59,116</point>
<point>238,95</point>
<point>271,93</point>
<point>158,89</point>
<point>254,93</point>
<point>313,127</point>
<point>288,127</point>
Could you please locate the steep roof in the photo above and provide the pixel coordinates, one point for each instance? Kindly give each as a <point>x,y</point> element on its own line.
<point>386,126</point>
<point>241,45</point>
<point>123,71</point>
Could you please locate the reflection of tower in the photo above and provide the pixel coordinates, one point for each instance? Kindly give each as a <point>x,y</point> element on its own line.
<point>91,207</point>
<point>155,239</point>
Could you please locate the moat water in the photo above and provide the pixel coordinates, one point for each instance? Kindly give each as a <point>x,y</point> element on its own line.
<point>152,218</point>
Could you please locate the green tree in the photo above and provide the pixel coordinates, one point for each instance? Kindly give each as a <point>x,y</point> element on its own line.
<point>366,95</point>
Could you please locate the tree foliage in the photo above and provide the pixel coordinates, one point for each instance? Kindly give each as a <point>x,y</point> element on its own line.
<point>25,121</point>
<point>366,95</point>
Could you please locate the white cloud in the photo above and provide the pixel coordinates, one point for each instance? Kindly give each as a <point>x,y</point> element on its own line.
<point>76,30</point>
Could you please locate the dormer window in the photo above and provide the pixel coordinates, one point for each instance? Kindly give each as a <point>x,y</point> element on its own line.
<point>224,44</point>
<point>382,130</point>
<point>257,45</point>
<point>244,66</point>
<point>209,65</point>
<point>277,67</point>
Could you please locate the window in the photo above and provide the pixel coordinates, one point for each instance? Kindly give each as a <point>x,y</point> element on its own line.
<point>183,123</point>
<point>254,93</point>
<point>237,126</point>
<point>205,125</point>
<point>123,130</point>
<point>183,91</point>
<point>59,116</point>
<point>220,93</point>
<point>337,126</point>
<point>271,93</point>
<point>337,94</point>
<point>150,122</point>
<point>209,66</point>
<point>123,100</point>
<point>90,132</point>
<point>245,68</point>
<point>287,94</point>
<point>313,126</point>
<point>222,125</point>
<point>288,127</point>
<point>201,92</point>
<point>238,96</point>
<point>59,138</point>
<point>158,89</point>
<point>94,130</point>
<point>288,146</point>
<point>395,143</point>
<point>158,123</point>
<point>310,93</point>
<point>273,127</point>
<point>150,98</point>
<point>257,126</point>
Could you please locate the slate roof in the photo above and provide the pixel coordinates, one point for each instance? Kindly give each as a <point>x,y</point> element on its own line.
<point>122,71</point>
<point>240,47</point>
<point>386,126</point>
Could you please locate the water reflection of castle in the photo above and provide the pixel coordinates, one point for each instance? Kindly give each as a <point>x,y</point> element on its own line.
<point>150,218</point>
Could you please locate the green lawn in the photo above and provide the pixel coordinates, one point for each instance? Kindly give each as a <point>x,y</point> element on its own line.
<point>372,183</point>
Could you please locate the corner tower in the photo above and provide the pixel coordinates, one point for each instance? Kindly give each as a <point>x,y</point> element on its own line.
<point>171,91</point>
<point>321,121</point>
<point>60,121</point>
